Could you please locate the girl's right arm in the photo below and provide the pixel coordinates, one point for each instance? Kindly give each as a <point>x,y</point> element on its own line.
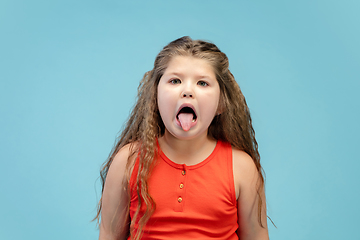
<point>114,213</point>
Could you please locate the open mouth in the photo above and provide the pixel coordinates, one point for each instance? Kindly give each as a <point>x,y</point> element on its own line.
<point>186,117</point>
<point>188,112</point>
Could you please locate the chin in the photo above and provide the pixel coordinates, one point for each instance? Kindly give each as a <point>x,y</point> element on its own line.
<point>182,135</point>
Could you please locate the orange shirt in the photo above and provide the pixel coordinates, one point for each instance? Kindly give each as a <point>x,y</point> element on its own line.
<point>192,202</point>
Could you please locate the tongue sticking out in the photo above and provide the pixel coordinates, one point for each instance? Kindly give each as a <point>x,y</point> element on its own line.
<point>186,119</point>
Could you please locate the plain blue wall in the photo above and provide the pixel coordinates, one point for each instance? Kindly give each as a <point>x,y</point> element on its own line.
<point>69,72</point>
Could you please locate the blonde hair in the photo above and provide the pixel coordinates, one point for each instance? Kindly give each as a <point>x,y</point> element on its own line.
<point>144,125</point>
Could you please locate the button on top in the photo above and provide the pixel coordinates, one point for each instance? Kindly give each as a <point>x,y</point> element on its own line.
<point>181,185</point>
<point>183,172</point>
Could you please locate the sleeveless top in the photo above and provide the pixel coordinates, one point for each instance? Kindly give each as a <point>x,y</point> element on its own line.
<point>192,202</point>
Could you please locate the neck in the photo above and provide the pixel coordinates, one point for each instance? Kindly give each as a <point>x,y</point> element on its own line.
<point>189,151</point>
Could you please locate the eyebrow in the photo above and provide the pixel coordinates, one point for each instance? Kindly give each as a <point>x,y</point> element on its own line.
<point>174,74</point>
<point>181,75</point>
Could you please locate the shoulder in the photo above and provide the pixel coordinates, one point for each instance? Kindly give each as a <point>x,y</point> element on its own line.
<point>242,161</point>
<point>123,158</point>
<point>120,158</point>
<point>244,169</point>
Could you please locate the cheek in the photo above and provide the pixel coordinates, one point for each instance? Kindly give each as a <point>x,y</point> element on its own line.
<point>209,107</point>
<point>164,103</point>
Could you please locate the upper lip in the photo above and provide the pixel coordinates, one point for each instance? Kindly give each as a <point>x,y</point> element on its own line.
<point>186,105</point>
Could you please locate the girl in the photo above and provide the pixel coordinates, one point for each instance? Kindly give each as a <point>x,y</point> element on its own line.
<point>187,165</point>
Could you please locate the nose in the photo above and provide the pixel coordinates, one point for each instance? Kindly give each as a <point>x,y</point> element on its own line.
<point>186,94</point>
<point>188,90</point>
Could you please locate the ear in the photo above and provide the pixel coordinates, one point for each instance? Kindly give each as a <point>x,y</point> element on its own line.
<point>221,106</point>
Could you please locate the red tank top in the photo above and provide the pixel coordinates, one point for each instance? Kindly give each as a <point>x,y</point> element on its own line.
<point>192,202</point>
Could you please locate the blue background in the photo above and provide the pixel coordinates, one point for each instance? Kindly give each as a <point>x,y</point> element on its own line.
<point>69,72</point>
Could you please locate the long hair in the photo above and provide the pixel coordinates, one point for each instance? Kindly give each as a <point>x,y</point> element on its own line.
<point>144,125</point>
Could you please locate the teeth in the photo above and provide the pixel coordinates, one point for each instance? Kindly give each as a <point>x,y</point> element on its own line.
<point>193,120</point>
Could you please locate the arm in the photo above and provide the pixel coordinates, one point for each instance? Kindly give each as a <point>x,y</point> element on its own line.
<point>247,181</point>
<point>114,214</point>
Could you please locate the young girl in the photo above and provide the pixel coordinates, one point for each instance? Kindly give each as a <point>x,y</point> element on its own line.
<point>187,165</point>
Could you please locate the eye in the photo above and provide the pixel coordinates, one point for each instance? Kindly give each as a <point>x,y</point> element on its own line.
<point>202,83</point>
<point>175,81</point>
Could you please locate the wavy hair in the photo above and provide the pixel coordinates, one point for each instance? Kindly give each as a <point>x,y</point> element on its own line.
<point>144,125</point>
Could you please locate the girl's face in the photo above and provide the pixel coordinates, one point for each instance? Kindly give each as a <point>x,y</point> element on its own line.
<point>188,97</point>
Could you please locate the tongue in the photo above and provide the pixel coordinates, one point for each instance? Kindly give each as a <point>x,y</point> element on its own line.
<point>185,120</point>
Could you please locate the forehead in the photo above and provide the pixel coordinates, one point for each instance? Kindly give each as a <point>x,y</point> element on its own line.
<point>190,65</point>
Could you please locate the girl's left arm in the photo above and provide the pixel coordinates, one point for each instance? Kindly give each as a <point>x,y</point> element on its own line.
<point>247,181</point>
